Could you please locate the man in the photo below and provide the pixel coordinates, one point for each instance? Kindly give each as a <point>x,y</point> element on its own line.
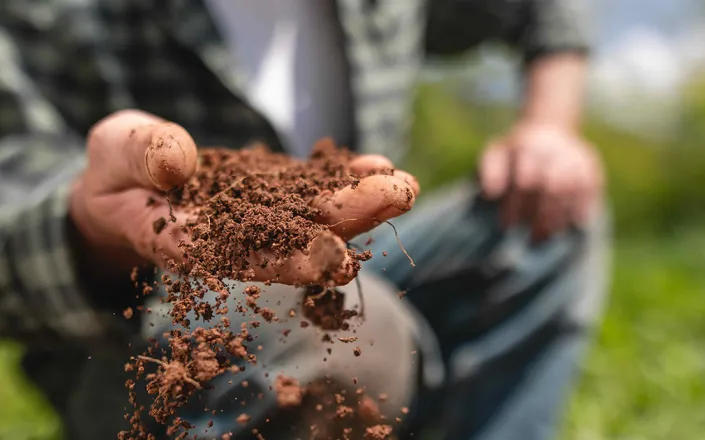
<point>509,276</point>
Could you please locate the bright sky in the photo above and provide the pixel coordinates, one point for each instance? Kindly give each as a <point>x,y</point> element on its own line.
<point>653,44</point>
<point>617,17</point>
<point>646,50</point>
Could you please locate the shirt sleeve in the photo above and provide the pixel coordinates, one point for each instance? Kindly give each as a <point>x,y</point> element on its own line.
<point>533,27</point>
<point>553,26</point>
<point>43,298</point>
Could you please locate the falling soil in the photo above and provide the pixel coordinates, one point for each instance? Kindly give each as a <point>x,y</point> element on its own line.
<point>252,212</point>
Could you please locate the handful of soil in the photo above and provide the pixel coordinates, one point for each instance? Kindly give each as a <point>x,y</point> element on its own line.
<point>254,216</point>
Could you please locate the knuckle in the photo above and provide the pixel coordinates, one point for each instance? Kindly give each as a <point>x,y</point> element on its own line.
<point>96,137</point>
<point>98,133</point>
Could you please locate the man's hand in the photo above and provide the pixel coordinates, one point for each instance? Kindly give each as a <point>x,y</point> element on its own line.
<point>546,177</point>
<point>133,157</point>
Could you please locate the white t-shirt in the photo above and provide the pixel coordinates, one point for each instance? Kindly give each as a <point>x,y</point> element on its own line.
<point>294,63</point>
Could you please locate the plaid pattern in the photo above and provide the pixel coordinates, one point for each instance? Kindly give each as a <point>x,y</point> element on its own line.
<point>68,63</point>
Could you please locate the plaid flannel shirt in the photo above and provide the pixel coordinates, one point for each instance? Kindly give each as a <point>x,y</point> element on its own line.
<point>64,64</point>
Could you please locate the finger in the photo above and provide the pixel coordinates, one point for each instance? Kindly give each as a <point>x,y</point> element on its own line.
<point>578,194</point>
<point>590,206</point>
<point>167,243</point>
<point>552,216</point>
<point>160,238</point>
<point>156,231</point>
<point>593,194</point>
<point>410,180</point>
<point>580,179</point>
<point>136,149</point>
<point>515,202</point>
<point>557,199</point>
<point>528,169</point>
<point>326,261</point>
<point>510,208</point>
<point>378,164</point>
<point>377,198</point>
<point>495,171</point>
<point>528,206</point>
<point>370,163</point>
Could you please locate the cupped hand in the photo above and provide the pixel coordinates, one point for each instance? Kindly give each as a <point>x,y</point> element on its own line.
<point>546,177</point>
<point>134,157</point>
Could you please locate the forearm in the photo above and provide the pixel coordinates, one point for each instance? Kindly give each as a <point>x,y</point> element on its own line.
<point>556,41</point>
<point>554,90</point>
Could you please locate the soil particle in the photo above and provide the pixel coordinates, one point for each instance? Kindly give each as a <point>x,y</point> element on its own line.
<point>347,339</point>
<point>159,225</point>
<point>325,308</point>
<point>289,393</point>
<point>378,432</point>
<point>368,410</point>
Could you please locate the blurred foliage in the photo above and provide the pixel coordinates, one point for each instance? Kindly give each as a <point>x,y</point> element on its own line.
<point>24,413</point>
<point>655,187</point>
<point>643,378</point>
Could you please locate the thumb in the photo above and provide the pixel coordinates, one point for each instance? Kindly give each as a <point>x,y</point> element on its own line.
<point>135,149</point>
<point>494,170</point>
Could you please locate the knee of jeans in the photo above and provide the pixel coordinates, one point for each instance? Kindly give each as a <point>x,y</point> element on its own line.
<point>595,270</point>
<point>375,353</point>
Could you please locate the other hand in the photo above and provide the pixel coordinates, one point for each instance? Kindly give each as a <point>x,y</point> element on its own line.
<point>134,157</point>
<point>546,177</point>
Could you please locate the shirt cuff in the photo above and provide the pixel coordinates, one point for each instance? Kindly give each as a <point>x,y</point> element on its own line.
<point>46,292</point>
<point>558,26</point>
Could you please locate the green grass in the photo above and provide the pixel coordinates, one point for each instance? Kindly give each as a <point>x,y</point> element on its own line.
<point>24,415</point>
<point>644,376</point>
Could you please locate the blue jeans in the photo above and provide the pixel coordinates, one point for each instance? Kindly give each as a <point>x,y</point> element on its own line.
<point>512,318</point>
<point>506,320</point>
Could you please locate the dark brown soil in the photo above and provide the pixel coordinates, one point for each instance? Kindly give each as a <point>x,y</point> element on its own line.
<point>252,210</point>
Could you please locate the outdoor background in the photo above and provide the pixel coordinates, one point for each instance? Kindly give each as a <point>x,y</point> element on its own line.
<point>645,375</point>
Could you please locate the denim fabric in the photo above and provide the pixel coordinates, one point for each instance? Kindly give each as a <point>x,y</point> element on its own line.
<point>387,336</point>
<point>507,320</point>
<point>512,317</point>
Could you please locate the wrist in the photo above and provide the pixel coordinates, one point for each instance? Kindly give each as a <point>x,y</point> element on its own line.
<point>544,124</point>
<point>554,92</point>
